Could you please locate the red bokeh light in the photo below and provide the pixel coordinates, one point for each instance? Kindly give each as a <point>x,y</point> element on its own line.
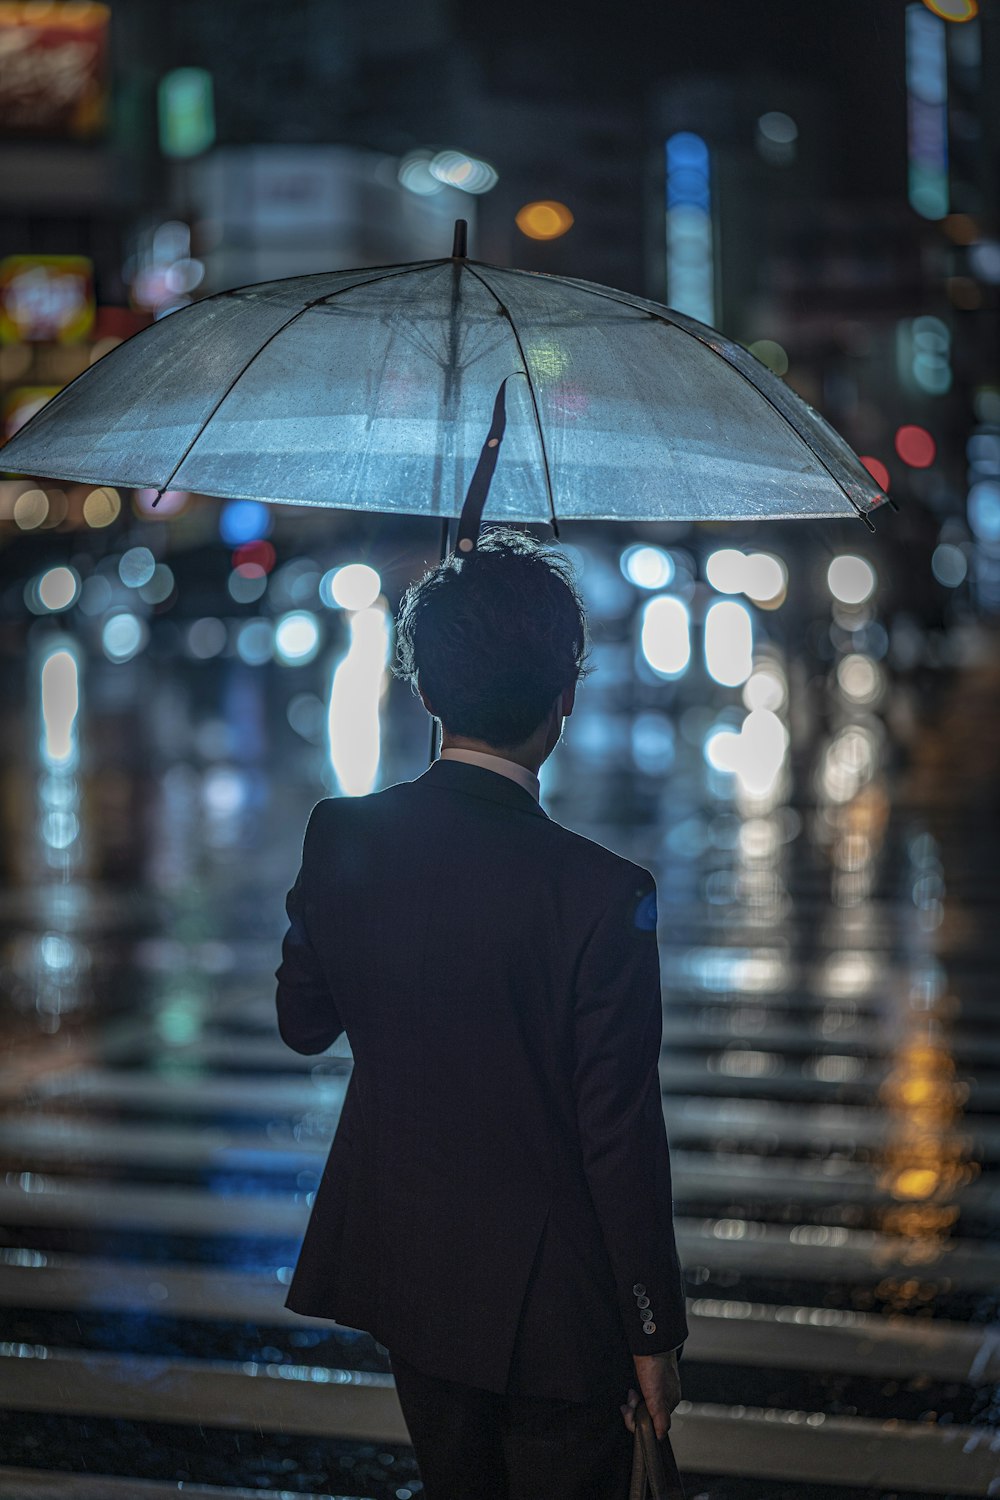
<point>260,553</point>
<point>877,470</point>
<point>249,570</point>
<point>915,447</point>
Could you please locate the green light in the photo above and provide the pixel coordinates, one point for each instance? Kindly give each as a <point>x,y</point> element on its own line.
<point>187,112</point>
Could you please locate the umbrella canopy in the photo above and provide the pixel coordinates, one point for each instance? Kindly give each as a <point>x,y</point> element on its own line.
<point>372,390</point>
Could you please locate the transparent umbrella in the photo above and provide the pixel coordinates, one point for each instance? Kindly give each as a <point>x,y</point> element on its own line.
<point>372,389</point>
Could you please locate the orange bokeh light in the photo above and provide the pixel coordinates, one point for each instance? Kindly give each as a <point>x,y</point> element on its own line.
<point>544,220</point>
<point>915,446</point>
<point>954,10</point>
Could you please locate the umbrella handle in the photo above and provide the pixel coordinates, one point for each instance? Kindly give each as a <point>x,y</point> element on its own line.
<point>475,499</point>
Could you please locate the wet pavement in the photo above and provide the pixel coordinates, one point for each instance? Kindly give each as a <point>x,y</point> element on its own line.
<point>830,1068</point>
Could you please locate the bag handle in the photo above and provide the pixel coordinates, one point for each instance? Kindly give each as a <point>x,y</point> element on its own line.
<point>653,1462</point>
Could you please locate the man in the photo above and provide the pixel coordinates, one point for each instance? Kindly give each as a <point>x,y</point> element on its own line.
<point>496,1207</point>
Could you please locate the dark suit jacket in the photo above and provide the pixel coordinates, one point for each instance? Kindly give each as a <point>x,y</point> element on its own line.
<point>496,1205</point>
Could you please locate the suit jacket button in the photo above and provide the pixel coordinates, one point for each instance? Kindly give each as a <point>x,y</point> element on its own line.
<point>642,1301</point>
<point>638,1290</point>
<point>649,1327</point>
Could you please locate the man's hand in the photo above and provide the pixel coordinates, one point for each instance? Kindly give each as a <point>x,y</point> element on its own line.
<point>660,1384</point>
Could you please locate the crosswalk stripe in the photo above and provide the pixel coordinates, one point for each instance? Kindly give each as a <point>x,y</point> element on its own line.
<point>708,1438</point>
<point>722,1331</point>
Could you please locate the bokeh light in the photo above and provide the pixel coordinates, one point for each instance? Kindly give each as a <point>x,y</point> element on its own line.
<point>915,446</point>
<point>354,586</point>
<point>102,506</point>
<point>949,565</point>
<point>877,470</point>
<point>244,521</point>
<point>124,635</point>
<point>59,588</point>
<point>765,579</point>
<point>725,570</point>
<point>455,169</point>
<point>729,643</point>
<point>770,354</point>
<point>136,567</point>
<point>647,567</point>
<point>296,638</point>
<point>851,579</point>
<point>666,635</point>
<point>954,10</point>
<point>545,219</point>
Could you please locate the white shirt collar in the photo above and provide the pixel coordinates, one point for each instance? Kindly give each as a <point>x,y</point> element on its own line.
<point>497,763</point>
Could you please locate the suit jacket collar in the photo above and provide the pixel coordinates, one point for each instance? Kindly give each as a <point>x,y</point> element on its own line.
<point>477,781</point>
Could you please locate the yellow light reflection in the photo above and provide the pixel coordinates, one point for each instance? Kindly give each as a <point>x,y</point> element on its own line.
<point>544,220</point>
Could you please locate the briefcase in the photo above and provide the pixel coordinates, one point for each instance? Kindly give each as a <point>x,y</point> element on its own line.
<point>654,1471</point>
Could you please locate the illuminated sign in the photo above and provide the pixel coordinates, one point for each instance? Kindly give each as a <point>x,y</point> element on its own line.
<point>46,297</point>
<point>927,112</point>
<point>53,68</point>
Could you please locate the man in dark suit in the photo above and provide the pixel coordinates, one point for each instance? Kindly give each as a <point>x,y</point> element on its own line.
<point>496,1206</point>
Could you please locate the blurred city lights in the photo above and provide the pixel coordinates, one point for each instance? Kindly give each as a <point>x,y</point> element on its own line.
<point>725,570</point>
<point>255,642</point>
<point>949,565</point>
<point>160,586</point>
<point>984,261</point>
<point>296,638</point>
<point>545,219</point>
<point>414,174</point>
<point>923,349</point>
<point>354,586</point>
<point>31,509</point>
<point>777,137</point>
<point>859,678</point>
<point>877,470</point>
<point>770,354</point>
<point>124,635</point>
<point>851,579</point>
<point>765,579</point>
<point>59,588</point>
<point>261,554</point>
<point>927,112</point>
<point>186,112</point>
<point>244,521</point>
<point>60,683</point>
<point>666,635</point>
<point>755,755</point>
<point>136,567</point>
<point>647,567</point>
<point>983,510</point>
<point>102,506</point>
<point>206,637</point>
<point>247,583</point>
<point>690,260</point>
<point>954,10</point>
<point>729,643</point>
<point>466,172</point>
<point>915,446</point>
<point>765,688</point>
<point>355,693</point>
<point>653,743</point>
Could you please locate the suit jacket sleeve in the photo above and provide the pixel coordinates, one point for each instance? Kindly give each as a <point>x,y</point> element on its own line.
<point>618,1029</point>
<point>307,1014</point>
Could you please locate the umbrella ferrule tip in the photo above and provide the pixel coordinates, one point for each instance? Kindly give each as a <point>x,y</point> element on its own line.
<point>460,248</point>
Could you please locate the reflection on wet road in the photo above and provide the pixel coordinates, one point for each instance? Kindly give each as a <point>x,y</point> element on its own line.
<point>825,852</point>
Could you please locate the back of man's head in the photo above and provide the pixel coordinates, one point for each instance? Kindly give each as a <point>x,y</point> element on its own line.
<point>493,636</point>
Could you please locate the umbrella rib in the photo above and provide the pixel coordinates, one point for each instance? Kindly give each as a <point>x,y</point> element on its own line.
<point>669,323</point>
<point>531,387</point>
<point>316,302</point>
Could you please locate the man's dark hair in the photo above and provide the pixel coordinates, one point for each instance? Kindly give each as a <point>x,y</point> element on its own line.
<point>495,635</point>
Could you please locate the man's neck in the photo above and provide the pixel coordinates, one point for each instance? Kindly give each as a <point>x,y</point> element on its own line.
<point>520,756</point>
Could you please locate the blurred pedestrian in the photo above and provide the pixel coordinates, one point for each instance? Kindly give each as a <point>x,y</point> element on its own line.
<point>496,1207</point>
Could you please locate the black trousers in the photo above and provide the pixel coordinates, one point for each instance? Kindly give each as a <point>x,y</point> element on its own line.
<point>472,1444</point>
